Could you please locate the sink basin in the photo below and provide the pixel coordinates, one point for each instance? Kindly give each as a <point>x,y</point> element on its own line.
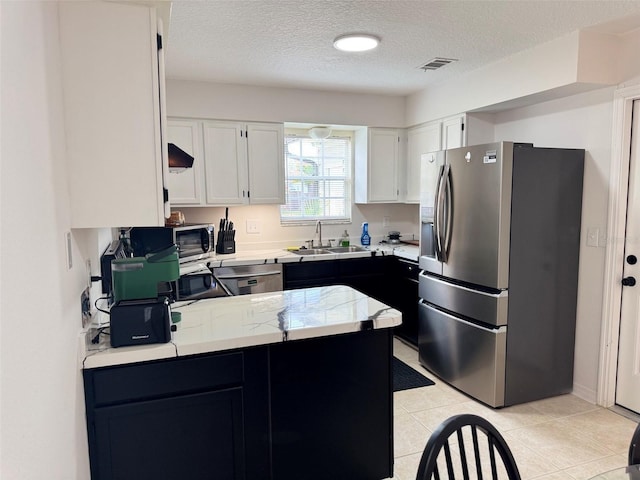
<point>311,251</point>
<point>349,249</point>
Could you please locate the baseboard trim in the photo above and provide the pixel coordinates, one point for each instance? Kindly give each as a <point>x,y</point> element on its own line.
<point>587,394</point>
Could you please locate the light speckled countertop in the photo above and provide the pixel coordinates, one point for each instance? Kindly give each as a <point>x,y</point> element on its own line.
<point>248,320</point>
<point>280,255</point>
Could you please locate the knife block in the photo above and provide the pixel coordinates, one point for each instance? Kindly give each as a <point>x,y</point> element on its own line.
<point>226,242</point>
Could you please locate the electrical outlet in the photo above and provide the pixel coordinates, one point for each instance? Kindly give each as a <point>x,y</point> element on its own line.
<point>385,221</point>
<point>253,226</point>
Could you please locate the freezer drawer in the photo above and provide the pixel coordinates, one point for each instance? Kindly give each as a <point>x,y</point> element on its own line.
<point>485,307</point>
<point>468,356</point>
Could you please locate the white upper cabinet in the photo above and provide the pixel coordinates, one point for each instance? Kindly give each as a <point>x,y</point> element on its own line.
<point>420,140</point>
<point>453,133</point>
<point>225,156</point>
<point>112,78</point>
<point>244,162</point>
<point>265,152</point>
<point>186,185</point>
<point>376,165</point>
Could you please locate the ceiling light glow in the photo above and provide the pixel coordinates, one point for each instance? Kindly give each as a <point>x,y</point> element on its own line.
<point>356,42</point>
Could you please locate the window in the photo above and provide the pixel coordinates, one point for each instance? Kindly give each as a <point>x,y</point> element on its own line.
<point>317,179</point>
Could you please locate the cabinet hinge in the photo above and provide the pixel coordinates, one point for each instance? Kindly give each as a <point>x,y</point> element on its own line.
<point>165,195</point>
<point>159,41</point>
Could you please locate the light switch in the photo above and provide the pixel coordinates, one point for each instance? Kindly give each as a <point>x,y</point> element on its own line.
<point>592,236</point>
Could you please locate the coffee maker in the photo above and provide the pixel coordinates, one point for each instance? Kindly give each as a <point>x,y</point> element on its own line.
<point>140,314</point>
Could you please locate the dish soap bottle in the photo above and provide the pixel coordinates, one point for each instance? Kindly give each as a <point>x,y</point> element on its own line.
<point>344,239</point>
<point>365,239</point>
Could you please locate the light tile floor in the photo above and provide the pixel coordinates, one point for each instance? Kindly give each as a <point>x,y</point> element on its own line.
<point>559,438</point>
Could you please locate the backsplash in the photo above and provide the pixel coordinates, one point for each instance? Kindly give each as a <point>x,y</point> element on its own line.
<point>265,219</point>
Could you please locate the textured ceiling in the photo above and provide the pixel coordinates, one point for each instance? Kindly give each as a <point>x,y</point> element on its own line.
<point>289,43</point>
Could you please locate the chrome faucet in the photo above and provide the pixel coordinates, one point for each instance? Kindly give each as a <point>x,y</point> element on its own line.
<point>319,232</point>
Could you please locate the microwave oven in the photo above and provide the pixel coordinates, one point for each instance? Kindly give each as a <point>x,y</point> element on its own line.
<point>196,282</point>
<point>194,241</point>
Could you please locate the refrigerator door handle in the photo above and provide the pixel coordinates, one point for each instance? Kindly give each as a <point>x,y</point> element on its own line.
<point>448,198</point>
<point>437,216</point>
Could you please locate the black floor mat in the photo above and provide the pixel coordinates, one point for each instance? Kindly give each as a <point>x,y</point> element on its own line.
<point>405,377</point>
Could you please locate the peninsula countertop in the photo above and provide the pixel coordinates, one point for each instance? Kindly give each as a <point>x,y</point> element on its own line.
<point>219,324</point>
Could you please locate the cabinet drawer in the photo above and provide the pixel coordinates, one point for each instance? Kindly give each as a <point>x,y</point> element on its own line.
<point>155,380</point>
<point>362,266</point>
<point>310,270</point>
<point>408,269</point>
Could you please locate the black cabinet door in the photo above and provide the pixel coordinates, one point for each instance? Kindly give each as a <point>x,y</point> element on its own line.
<point>405,299</point>
<point>310,274</point>
<point>331,407</point>
<point>191,437</point>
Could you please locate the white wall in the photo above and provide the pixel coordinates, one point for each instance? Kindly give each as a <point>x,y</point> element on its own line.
<point>578,62</point>
<point>580,121</point>
<point>270,104</point>
<point>235,102</point>
<point>42,422</point>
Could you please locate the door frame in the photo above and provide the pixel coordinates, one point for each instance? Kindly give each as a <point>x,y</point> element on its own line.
<point>614,252</point>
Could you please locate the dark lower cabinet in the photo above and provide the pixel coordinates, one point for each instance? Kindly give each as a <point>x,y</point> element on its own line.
<point>368,275</point>
<point>173,438</point>
<point>194,418</point>
<point>331,400</point>
<point>405,298</point>
<point>391,280</point>
<point>307,409</point>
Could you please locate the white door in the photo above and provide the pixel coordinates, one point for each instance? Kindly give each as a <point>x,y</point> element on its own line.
<point>628,382</point>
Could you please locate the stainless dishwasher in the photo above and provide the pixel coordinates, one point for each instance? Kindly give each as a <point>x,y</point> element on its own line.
<point>246,279</point>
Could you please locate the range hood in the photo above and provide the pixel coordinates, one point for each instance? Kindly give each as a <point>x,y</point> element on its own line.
<point>179,160</point>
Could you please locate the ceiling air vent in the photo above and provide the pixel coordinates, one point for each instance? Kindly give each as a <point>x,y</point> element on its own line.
<point>436,63</point>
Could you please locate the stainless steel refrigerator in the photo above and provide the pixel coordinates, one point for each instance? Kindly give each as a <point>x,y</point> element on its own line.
<point>500,238</point>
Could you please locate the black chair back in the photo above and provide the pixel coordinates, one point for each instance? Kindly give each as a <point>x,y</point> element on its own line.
<point>463,444</point>
<point>634,447</point>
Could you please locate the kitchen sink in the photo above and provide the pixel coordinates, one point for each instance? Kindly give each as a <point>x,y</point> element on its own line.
<point>311,251</point>
<point>349,249</point>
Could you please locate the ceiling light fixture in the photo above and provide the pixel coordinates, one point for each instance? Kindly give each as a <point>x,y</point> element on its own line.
<point>320,133</point>
<point>356,42</point>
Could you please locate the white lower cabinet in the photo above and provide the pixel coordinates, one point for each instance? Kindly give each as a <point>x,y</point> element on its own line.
<point>235,163</point>
<point>186,185</point>
<point>376,165</point>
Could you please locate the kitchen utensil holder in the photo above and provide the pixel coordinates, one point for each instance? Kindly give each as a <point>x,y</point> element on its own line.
<point>226,242</point>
